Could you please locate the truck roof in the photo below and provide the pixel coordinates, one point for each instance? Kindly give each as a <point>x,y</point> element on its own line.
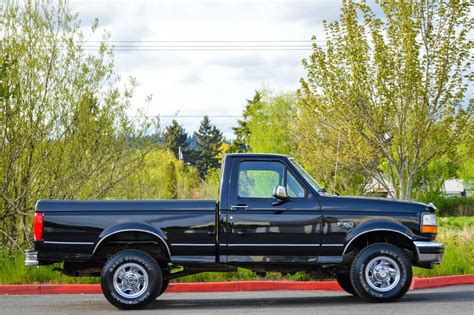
<point>257,155</point>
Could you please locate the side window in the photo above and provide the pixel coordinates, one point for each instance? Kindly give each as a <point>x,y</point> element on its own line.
<point>293,187</point>
<point>257,179</point>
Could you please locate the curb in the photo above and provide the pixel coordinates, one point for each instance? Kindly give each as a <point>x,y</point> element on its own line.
<point>435,282</point>
<point>253,286</point>
<point>417,283</point>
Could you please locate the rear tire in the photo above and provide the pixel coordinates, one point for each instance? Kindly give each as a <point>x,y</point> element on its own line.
<point>381,272</point>
<point>344,281</point>
<point>131,279</point>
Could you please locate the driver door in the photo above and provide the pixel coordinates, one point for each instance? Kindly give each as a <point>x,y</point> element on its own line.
<point>259,227</point>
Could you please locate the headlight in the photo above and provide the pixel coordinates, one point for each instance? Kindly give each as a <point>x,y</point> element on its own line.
<point>428,223</point>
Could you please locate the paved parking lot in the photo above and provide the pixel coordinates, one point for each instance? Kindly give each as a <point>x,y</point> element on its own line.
<point>448,300</point>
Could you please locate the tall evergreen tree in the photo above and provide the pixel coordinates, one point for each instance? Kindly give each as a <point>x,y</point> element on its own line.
<point>208,146</point>
<point>175,137</point>
<point>242,131</point>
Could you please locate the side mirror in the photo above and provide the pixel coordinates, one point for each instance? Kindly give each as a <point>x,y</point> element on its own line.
<point>280,193</point>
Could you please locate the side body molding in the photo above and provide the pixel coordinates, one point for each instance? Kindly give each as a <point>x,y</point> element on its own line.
<point>379,225</point>
<point>133,227</point>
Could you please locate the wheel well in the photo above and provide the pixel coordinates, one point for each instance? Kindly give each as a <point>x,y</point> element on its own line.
<point>394,238</point>
<point>141,240</point>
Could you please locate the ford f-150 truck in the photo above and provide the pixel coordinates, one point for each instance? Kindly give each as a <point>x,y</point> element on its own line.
<point>270,216</point>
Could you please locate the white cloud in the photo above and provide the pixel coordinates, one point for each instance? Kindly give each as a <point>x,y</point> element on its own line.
<point>216,83</point>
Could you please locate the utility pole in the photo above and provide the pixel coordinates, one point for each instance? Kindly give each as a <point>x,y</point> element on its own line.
<point>180,154</point>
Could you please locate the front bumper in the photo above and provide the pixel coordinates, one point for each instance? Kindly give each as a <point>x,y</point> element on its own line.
<point>31,257</point>
<point>429,252</point>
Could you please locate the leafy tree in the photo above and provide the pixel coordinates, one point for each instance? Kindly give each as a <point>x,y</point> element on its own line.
<point>466,167</point>
<point>64,132</point>
<point>466,151</point>
<point>209,187</point>
<point>394,84</point>
<point>160,176</point>
<point>224,149</point>
<point>175,137</point>
<point>208,147</point>
<point>336,156</point>
<point>170,183</point>
<point>266,125</point>
<point>428,183</point>
<point>270,124</point>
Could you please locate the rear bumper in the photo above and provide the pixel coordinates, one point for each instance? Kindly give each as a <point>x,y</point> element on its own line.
<point>31,257</point>
<point>429,252</point>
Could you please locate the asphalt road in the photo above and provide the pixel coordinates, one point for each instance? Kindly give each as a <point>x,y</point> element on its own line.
<point>447,300</point>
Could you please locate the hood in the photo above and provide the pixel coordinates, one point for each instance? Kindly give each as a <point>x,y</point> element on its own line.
<point>351,203</point>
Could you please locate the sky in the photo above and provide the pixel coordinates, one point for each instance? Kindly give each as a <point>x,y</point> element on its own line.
<point>208,82</point>
<point>191,82</point>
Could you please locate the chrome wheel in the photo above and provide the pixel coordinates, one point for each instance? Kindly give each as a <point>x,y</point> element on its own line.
<point>130,280</point>
<point>382,273</point>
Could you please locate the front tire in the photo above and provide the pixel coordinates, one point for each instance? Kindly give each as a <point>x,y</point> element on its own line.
<point>381,272</point>
<point>131,279</point>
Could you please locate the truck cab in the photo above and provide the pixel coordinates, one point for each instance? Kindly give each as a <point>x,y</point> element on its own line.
<point>268,212</point>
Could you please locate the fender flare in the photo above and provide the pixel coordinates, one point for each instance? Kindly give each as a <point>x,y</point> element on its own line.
<point>132,227</point>
<point>376,225</point>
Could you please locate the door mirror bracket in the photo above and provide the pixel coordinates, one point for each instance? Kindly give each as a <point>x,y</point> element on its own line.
<point>280,193</point>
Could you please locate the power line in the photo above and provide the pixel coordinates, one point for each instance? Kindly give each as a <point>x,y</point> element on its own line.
<point>198,46</point>
<point>212,41</point>
<point>210,116</point>
<point>205,45</point>
<point>205,41</point>
<point>206,49</point>
<point>188,116</point>
<point>259,47</point>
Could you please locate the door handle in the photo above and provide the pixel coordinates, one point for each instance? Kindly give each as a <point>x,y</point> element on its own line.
<point>237,207</point>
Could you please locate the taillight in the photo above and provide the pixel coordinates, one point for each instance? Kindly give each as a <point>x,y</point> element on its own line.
<point>38,226</point>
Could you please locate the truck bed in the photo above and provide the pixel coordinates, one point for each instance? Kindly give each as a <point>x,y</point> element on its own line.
<point>74,230</point>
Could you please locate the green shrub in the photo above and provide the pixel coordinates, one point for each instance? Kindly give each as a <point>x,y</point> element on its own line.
<point>452,206</point>
<point>455,223</point>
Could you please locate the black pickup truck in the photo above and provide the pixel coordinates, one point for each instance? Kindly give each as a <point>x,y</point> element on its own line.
<point>271,216</point>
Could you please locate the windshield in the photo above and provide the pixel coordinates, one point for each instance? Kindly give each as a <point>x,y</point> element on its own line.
<point>307,177</point>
